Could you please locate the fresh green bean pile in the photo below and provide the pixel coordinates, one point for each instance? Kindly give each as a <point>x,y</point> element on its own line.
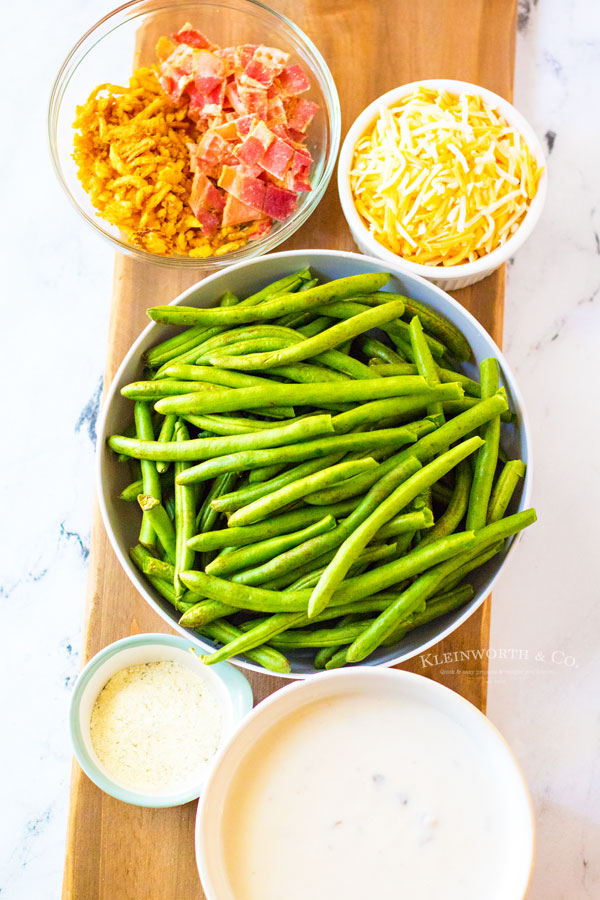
<point>303,480</point>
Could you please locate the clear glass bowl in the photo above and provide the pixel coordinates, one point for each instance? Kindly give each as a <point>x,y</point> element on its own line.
<point>125,38</point>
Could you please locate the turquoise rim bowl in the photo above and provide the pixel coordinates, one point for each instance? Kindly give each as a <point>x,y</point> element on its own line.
<point>232,690</point>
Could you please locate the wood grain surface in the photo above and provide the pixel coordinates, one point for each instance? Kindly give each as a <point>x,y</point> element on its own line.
<point>121,852</point>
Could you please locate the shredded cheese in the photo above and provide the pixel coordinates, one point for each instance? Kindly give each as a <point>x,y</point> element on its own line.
<point>155,726</point>
<point>442,179</point>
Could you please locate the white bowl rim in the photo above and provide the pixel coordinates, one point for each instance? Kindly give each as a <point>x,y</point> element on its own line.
<point>463,270</point>
<point>134,576</point>
<point>235,685</point>
<point>412,681</point>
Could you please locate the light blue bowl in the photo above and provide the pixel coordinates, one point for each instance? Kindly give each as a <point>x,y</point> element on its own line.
<point>231,689</point>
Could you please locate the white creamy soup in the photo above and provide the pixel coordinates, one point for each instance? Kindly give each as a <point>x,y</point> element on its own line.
<point>364,798</point>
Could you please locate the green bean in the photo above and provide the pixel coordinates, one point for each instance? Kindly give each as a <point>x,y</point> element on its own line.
<point>207,514</point>
<point>257,636</point>
<point>372,347</point>
<point>222,377</point>
<point>220,401</point>
<point>228,503</point>
<point>322,545</point>
<point>325,340</point>
<point>265,506</point>
<point>267,657</point>
<point>158,567</point>
<point>487,457</point>
<point>174,346</point>
<point>132,490</point>
<point>375,553</point>
<point>208,448</point>
<point>434,323</point>
<point>424,361</point>
<point>304,373</point>
<point>261,575</point>
<point>455,407</point>
<point>282,524</point>
<point>164,351</point>
<point>440,605</point>
<point>470,387</point>
<point>282,285</point>
<point>145,432</point>
<point>169,505</point>
<point>324,654</point>
<point>263,550</point>
<point>229,299</point>
<point>396,329</point>
<point>265,473</point>
<point>457,507</point>
<point>204,612</point>
<point>315,327</point>
<point>230,425</point>
<point>165,434</point>
<point>185,517</point>
<point>378,410</point>
<point>321,637</point>
<point>399,495</point>
<point>271,309</point>
<point>262,600</point>
<point>407,523</point>
<point>426,447</point>
<point>155,390</point>
<point>428,583</point>
<point>138,556</point>
<point>322,447</point>
<point>160,522</point>
<point>468,564</point>
<point>504,489</point>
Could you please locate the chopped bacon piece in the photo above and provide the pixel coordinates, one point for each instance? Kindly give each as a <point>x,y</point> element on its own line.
<point>279,203</point>
<point>256,143</point>
<point>243,55</point>
<point>236,212</point>
<point>276,158</point>
<point>233,95</point>
<point>228,130</point>
<point>205,195</point>
<point>207,69</point>
<point>244,124</point>
<point>191,37</point>
<point>243,186</point>
<point>253,99</point>
<point>276,114</point>
<point>249,160</point>
<point>302,114</point>
<point>301,161</point>
<point>213,149</point>
<point>294,80</point>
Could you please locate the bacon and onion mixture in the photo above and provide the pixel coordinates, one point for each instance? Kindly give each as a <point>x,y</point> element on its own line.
<point>201,153</point>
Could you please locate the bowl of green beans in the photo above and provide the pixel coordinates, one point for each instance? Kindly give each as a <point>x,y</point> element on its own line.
<point>312,460</point>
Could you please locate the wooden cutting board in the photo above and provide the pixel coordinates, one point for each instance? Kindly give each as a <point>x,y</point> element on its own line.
<point>121,852</point>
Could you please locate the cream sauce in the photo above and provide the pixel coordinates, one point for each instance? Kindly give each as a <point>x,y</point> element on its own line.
<point>361,797</point>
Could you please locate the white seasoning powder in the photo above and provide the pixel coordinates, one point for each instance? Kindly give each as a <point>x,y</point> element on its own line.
<point>155,726</point>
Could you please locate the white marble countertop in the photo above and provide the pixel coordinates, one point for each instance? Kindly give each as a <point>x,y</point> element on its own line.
<point>546,615</point>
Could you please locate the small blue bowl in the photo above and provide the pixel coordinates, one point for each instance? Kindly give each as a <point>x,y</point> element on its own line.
<point>232,691</point>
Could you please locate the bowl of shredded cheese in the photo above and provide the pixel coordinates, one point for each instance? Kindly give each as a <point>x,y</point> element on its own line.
<point>444,178</point>
<point>148,717</point>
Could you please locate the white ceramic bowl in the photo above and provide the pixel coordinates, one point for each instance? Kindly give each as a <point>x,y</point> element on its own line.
<point>514,803</point>
<point>446,277</point>
<point>232,692</point>
<point>122,519</point>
